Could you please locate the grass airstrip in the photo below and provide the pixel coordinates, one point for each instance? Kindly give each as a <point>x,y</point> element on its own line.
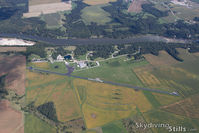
<point>109,107</point>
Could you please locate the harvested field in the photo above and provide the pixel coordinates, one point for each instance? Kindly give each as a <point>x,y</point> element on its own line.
<point>136,6</point>
<point>38,2</point>
<point>188,107</point>
<point>163,59</point>
<point>11,121</point>
<point>14,67</point>
<point>97,2</point>
<point>103,103</point>
<point>37,10</point>
<point>15,49</point>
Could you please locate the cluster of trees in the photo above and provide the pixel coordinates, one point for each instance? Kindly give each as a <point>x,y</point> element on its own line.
<point>59,51</point>
<point>48,110</point>
<point>75,27</point>
<point>154,11</point>
<point>3,91</point>
<point>37,49</point>
<point>103,51</point>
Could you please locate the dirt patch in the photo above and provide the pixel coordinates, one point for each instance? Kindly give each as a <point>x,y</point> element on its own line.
<point>14,67</point>
<point>163,59</point>
<point>188,107</point>
<point>15,49</point>
<point>136,6</point>
<point>11,121</point>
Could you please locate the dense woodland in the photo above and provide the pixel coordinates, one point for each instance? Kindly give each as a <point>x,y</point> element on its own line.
<point>3,91</point>
<point>11,22</point>
<point>48,110</point>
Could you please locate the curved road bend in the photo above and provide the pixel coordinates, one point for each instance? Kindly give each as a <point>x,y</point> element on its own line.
<point>106,82</point>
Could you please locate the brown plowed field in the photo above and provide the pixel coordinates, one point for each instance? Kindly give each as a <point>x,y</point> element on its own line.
<point>11,121</point>
<point>14,67</point>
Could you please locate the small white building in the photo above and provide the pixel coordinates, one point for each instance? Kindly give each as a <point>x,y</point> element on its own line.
<point>81,64</point>
<point>60,58</point>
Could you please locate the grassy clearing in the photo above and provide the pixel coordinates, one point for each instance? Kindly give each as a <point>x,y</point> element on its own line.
<point>52,20</point>
<point>35,125</point>
<point>97,2</point>
<point>114,127</point>
<point>95,14</point>
<point>116,70</point>
<point>55,67</point>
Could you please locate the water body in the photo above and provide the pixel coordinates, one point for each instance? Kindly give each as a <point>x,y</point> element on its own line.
<point>97,41</point>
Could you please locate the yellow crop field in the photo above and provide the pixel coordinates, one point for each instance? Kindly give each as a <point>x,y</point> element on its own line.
<point>97,2</point>
<point>43,88</point>
<point>66,105</point>
<point>95,117</point>
<point>105,103</point>
<point>35,79</point>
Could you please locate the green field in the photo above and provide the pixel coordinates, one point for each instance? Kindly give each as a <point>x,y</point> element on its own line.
<point>36,125</point>
<point>54,67</point>
<point>114,127</point>
<point>95,14</point>
<point>52,20</point>
<point>161,117</point>
<point>116,70</point>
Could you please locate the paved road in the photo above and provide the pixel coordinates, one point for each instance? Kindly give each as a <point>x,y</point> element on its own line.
<point>70,70</point>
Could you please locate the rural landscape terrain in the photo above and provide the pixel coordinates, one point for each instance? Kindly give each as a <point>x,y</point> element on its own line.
<point>99,66</point>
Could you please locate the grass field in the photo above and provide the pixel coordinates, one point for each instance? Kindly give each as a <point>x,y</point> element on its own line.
<point>36,125</point>
<point>172,75</point>
<point>55,67</point>
<point>52,20</point>
<point>95,14</point>
<point>102,103</point>
<point>115,127</point>
<point>161,117</point>
<point>116,70</point>
<point>42,88</point>
<point>97,2</point>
